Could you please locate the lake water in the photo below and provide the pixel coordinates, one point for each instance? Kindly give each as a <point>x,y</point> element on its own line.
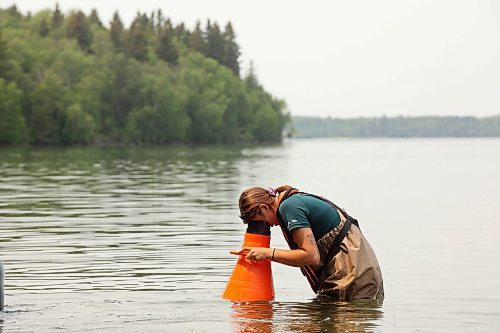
<point>136,239</point>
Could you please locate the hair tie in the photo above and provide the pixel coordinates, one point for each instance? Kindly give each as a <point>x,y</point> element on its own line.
<point>272,191</point>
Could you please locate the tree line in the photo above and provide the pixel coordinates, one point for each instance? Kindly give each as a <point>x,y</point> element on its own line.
<point>396,127</point>
<point>69,79</point>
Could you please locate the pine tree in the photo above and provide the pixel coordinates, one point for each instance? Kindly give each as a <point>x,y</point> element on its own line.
<point>215,42</point>
<point>182,33</point>
<point>44,28</point>
<point>251,78</point>
<point>94,18</point>
<point>137,41</point>
<point>197,42</point>
<point>159,21</point>
<point>168,25</point>
<point>231,50</point>
<point>13,11</point>
<point>166,50</point>
<point>57,17</point>
<point>116,33</point>
<point>78,28</point>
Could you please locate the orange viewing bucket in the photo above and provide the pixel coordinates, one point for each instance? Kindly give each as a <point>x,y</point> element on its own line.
<point>252,281</point>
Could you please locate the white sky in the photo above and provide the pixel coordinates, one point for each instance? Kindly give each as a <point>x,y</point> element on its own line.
<point>350,58</point>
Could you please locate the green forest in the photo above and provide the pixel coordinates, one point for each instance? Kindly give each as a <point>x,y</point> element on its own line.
<point>70,78</point>
<point>311,127</point>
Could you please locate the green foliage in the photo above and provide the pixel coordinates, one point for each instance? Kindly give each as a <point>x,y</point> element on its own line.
<point>197,41</point>
<point>48,113</point>
<point>5,65</point>
<point>12,123</point>
<point>137,39</point>
<point>126,79</point>
<point>14,12</point>
<point>3,55</point>
<point>116,33</point>
<point>76,82</point>
<point>231,50</point>
<point>57,17</point>
<point>166,48</point>
<point>78,126</point>
<point>214,42</point>
<point>44,28</point>
<point>397,127</point>
<point>183,34</point>
<point>94,18</point>
<point>78,28</point>
<point>162,119</point>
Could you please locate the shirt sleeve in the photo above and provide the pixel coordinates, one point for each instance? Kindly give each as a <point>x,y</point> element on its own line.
<point>294,212</point>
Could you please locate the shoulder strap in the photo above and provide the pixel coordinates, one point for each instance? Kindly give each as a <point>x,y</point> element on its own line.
<point>287,194</point>
<point>292,191</point>
<point>307,271</point>
<point>347,216</point>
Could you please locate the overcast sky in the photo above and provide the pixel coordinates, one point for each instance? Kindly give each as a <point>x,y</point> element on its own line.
<point>350,58</point>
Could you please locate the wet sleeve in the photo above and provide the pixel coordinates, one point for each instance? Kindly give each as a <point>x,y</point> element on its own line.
<point>294,213</point>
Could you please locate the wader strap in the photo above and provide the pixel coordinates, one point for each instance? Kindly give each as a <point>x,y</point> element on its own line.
<point>307,271</point>
<point>335,247</point>
<point>347,216</point>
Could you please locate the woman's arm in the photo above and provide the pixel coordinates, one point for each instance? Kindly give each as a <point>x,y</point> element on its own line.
<point>306,254</point>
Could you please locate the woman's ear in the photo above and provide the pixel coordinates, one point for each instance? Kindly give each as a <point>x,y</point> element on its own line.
<point>263,206</point>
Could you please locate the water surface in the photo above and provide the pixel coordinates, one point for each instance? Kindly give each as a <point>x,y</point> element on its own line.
<point>137,239</point>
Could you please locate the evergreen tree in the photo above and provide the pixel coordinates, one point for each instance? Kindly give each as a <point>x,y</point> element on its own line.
<point>116,33</point>
<point>78,28</point>
<point>166,49</point>
<point>215,43</point>
<point>182,33</point>
<point>160,20</point>
<point>57,17</point>
<point>13,11</point>
<point>57,92</point>
<point>197,41</point>
<point>142,20</point>
<point>137,40</point>
<point>251,78</point>
<point>44,28</point>
<point>231,50</point>
<point>94,18</point>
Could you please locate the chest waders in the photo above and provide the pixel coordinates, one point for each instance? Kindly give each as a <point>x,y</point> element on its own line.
<point>308,271</point>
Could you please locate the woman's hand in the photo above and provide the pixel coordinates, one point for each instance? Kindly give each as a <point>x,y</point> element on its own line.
<point>306,255</point>
<point>254,254</point>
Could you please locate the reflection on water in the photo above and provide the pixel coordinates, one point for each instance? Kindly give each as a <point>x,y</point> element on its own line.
<point>252,317</point>
<point>111,219</point>
<point>137,239</point>
<point>304,317</point>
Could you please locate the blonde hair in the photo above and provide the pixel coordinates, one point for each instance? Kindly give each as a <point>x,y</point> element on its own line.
<point>251,198</point>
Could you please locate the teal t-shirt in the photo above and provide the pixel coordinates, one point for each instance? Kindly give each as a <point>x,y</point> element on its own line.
<point>304,211</point>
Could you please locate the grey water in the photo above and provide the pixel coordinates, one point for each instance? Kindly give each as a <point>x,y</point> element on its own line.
<point>137,239</point>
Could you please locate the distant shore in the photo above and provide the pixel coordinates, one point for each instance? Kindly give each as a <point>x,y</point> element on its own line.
<point>428,126</point>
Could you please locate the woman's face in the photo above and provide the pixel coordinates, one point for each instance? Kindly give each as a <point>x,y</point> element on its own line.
<point>267,214</point>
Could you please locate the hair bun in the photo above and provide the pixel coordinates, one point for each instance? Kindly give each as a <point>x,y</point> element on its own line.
<point>272,191</point>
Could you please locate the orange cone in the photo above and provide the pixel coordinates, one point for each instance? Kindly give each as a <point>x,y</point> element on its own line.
<point>252,281</point>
